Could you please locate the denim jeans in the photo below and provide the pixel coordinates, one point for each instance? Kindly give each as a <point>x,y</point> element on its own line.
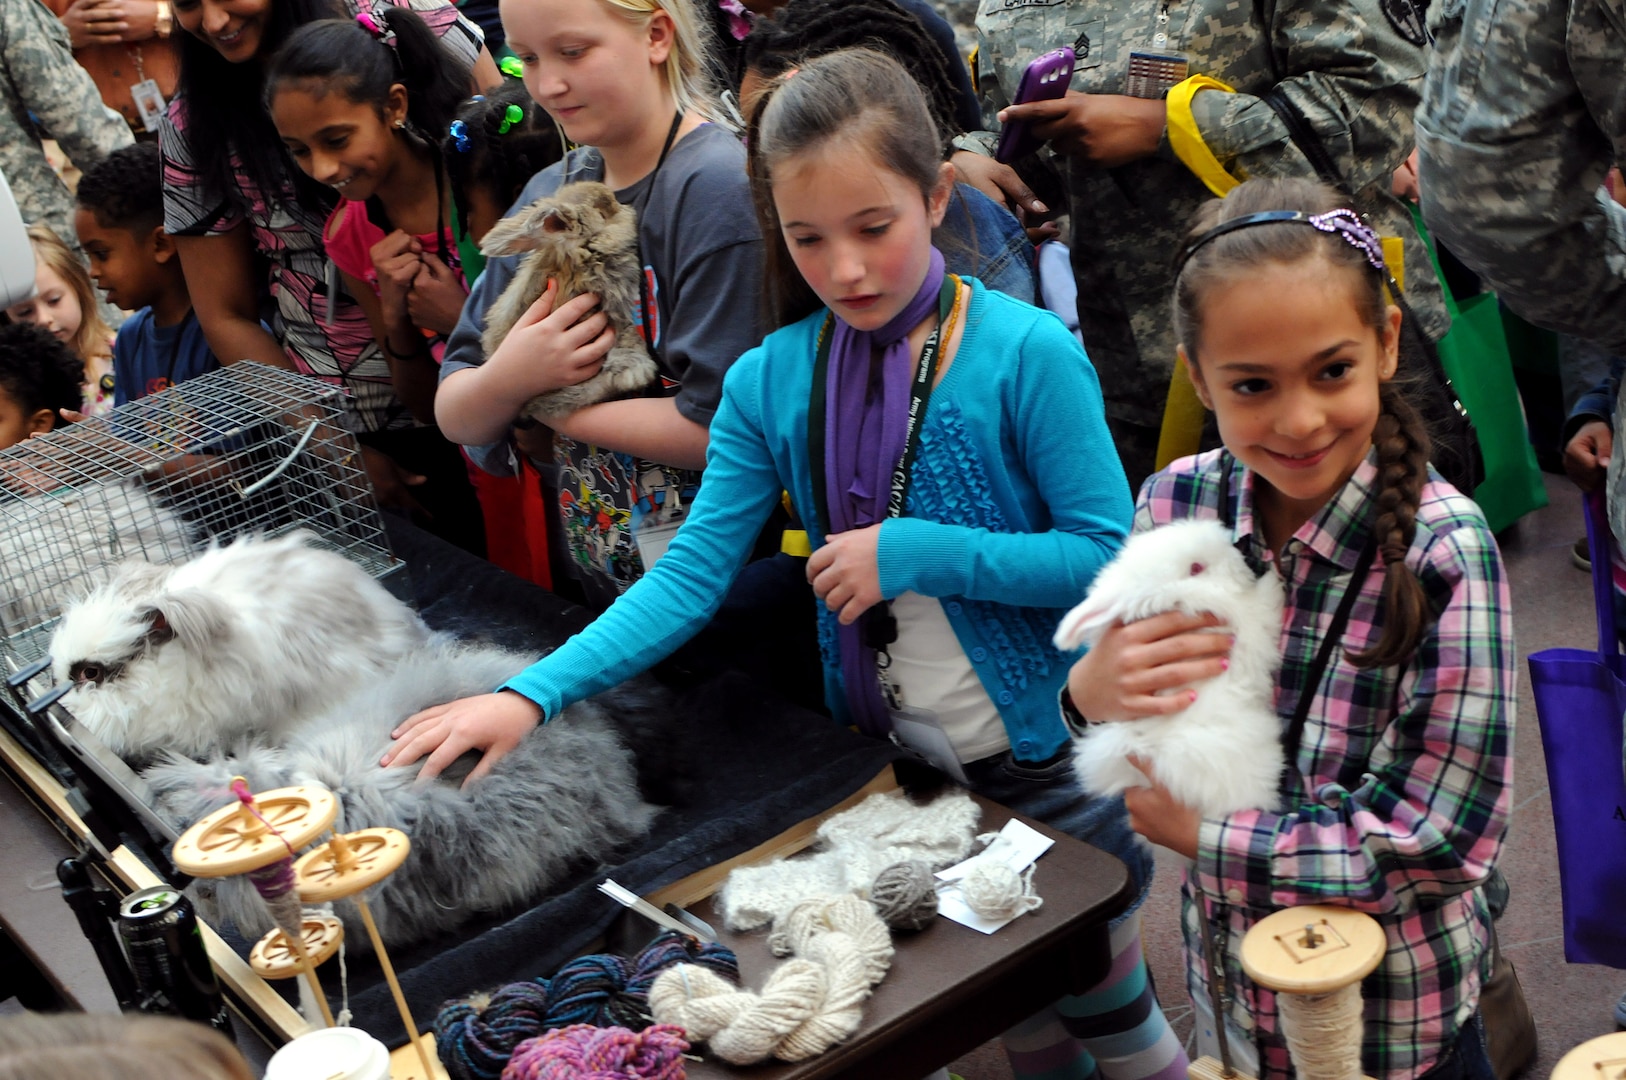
<point>1468,1058</point>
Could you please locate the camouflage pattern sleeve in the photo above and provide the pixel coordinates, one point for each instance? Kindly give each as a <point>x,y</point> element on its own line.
<point>1523,114</point>
<point>1352,69</point>
<point>38,74</point>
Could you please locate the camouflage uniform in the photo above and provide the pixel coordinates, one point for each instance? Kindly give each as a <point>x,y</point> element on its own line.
<point>40,77</point>
<point>1523,112</point>
<point>1353,74</point>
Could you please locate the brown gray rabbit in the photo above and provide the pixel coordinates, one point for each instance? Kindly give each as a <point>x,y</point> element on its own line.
<point>586,241</point>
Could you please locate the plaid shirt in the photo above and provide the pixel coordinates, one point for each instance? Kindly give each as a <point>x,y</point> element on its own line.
<point>1403,785</point>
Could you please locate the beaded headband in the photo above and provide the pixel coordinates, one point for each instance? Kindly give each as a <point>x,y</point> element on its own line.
<point>1344,222</point>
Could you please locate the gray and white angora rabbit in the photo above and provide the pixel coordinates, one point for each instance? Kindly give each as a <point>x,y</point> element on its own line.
<point>248,639</point>
<point>587,242</point>
<point>568,795</point>
<point>1222,752</point>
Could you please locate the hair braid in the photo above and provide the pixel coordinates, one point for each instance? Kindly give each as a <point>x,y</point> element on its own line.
<point>1403,447</point>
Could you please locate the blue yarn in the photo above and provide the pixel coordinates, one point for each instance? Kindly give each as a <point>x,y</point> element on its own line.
<point>476,1037</point>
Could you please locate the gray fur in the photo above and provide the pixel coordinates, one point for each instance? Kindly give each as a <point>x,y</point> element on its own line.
<point>568,795</point>
<point>586,241</point>
<point>56,546</point>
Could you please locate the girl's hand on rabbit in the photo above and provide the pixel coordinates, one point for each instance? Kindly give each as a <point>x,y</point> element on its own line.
<point>1159,816</point>
<point>550,348</point>
<point>845,573</point>
<point>1145,668</point>
<point>491,723</point>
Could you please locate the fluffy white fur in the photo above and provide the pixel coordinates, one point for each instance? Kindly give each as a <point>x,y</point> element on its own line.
<point>567,795</point>
<point>1222,753</point>
<point>51,544</point>
<point>243,640</point>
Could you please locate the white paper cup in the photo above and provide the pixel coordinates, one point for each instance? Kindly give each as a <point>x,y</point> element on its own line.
<point>340,1053</point>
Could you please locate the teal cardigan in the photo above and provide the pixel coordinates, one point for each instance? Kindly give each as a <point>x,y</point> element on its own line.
<point>1016,500</point>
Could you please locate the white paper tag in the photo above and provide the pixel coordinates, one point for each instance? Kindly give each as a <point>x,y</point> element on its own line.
<point>921,732</point>
<point>149,100</point>
<point>1018,845</point>
<point>653,540</point>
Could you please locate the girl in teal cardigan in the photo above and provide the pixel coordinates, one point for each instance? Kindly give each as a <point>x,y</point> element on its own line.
<point>947,448</point>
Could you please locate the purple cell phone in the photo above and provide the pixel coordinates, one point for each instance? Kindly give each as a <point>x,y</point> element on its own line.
<point>1044,80</point>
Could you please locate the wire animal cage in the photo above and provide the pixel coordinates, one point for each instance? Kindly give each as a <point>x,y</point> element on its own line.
<point>245,449</point>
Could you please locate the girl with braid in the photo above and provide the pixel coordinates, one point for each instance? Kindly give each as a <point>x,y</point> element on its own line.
<point>1397,678</point>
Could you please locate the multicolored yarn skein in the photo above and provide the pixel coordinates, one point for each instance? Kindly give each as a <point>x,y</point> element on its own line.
<point>476,1037</point>
<point>584,1052</point>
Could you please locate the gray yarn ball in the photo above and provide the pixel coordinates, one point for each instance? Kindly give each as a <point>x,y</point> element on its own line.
<point>905,895</point>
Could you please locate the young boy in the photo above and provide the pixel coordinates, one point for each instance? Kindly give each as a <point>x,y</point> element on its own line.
<point>120,221</point>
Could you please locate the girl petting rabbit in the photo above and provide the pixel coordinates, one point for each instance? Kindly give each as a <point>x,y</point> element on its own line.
<point>1396,686</point>
<point>946,547</point>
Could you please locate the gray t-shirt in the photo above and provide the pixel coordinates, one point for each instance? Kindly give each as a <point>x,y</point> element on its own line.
<point>702,256</point>
<point>702,249</point>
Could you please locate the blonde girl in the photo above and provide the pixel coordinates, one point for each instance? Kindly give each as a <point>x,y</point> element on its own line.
<point>65,303</point>
<point>1396,685</point>
<point>623,79</point>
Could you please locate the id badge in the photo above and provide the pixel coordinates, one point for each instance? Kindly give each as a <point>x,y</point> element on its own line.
<point>1154,74</point>
<point>922,734</point>
<point>149,101</point>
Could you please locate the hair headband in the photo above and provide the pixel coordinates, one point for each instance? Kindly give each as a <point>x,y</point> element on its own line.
<point>1343,221</point>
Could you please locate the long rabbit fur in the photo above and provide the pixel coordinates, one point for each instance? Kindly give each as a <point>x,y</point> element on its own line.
<point>248,639</point>
<point>1223,752</point>
<point>567,796</point>
<point>586,241</point>
<point>51,543</point>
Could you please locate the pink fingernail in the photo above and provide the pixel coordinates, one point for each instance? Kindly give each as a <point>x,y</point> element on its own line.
<point>1225,665</point>
<point>1192,694</point>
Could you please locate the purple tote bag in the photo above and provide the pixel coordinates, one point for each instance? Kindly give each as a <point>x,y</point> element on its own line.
<point>1580,701</point>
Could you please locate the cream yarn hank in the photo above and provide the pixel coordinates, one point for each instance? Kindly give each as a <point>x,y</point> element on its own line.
<point>809,1003</point>
<point>1323,1033</point>
<point>995,891</point>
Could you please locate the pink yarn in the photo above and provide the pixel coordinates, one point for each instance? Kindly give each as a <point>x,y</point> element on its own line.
<point>585,1052</point>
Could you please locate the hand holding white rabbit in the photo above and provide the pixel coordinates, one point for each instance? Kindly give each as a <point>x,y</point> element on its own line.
<point>1133,668</point>
<point>1207,726</point>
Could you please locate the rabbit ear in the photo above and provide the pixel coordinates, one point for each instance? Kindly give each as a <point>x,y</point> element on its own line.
<point>517,232</point>
<point>1082,623</point>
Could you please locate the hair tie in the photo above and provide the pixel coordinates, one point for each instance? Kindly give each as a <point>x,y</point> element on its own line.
<point>510,116</point>
<point>1343,222</point>
<point>381,33</point>
<point>460,136</point>
<point>512,67</point>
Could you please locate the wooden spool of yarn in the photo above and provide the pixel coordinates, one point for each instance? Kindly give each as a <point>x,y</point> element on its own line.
<point>1603,1058</point>
<point>252,834</point>
<point>274,958</point>
<point>1314,958</point>
<point>347,865</point>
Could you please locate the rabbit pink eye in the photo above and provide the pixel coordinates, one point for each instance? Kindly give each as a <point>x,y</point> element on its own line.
<point>1197,568</point>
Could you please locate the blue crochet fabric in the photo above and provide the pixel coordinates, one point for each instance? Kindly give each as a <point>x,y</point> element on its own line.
<point>1017,500</point>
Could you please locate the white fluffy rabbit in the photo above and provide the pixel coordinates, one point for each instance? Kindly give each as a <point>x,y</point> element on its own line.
<point>1223,752</point>
<point>246,639</point>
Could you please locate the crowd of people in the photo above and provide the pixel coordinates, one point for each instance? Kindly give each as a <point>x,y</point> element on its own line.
<point>873,463</point>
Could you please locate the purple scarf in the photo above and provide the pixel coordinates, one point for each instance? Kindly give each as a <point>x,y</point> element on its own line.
<point>867,411</point>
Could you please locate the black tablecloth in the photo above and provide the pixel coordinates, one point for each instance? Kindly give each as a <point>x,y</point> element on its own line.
<point>766,766</point>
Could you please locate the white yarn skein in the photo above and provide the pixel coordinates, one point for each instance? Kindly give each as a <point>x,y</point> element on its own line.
<point>809,1003</point>
<point>1323,1033</point>
<point>995,891</point>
